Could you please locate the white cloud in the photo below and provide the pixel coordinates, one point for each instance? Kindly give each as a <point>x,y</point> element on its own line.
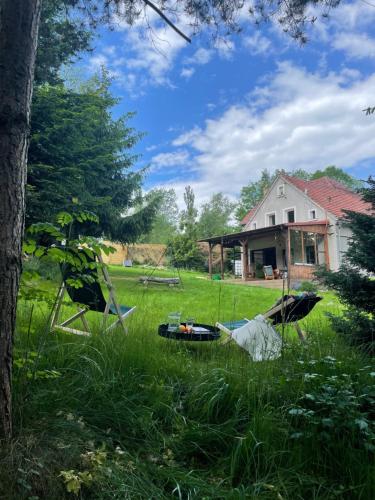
<point>356,46</point>
<point>172,159</point>
<point>97,62</point>
<point>349,28</point>
<point>187,137</point>
<point>152,47</point>
<point>187,72</point>
<point>201,56</point>
<point>306,120</point>
<point>257,44</point>
<point>225,47</point>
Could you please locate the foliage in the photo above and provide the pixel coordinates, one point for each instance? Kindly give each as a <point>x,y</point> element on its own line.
<point>353,281</point>
<point>188,217</point>
<point>54,244</point>
<point>335,406</point>
<point>184,252</point>
<point>215,216</point>
<point>339,175</point>
<point>252,193</point>
<point>165,222</point>
<point>259,273</point>
<point>60,39</point>
<point>79,152</point>
<point>151,418</point>
<point>308,286</point>
<point>223,17</point>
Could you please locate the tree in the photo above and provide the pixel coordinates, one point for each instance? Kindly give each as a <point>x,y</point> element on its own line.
<point>165,222</point>
<point>252,194</point>
<point>78,151</point>
<point>183,249</point>
<point>215,216</point>
<point>339,175</point>
<point>353,282</point>
<point>60,40</point>
<point>188,217</point>
<point>18,43</point>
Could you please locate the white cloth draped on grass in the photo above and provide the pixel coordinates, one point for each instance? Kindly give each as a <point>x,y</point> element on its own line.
<point>259,338</point>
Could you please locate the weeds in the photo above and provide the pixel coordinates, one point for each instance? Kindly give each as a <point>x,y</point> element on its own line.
<point>141,417</point>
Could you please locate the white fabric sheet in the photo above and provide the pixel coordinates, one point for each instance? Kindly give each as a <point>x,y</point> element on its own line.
<point>259,338</point>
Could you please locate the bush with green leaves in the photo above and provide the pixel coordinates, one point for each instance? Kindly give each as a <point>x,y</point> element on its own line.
<point>335,406</point>
<point>308,286</point>
<point>52,245</point>
<point>184,252</point>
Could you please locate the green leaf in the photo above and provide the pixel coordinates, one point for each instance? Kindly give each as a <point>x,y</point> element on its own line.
<point>29,246</point>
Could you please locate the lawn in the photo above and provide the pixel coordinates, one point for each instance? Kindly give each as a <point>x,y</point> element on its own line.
<point>140,417</point>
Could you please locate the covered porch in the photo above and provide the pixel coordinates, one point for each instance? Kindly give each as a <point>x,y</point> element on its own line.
<point>295,249</point>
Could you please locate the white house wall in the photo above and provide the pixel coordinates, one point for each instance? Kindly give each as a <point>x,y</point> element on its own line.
<point>292,198</point>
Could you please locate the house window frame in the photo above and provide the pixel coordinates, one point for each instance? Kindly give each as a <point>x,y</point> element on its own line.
<point>280,190</point>
<point>285,214</point>
<point>266,215</point>
<point>310,214</point>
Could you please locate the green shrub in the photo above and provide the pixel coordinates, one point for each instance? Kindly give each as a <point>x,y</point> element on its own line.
<point>259,273</point>
<point>46,268</point>
<point>308,286</point>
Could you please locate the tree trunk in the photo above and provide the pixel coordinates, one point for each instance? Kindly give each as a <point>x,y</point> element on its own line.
<point>19,21</point>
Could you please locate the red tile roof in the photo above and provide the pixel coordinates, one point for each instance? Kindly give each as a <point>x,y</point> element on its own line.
<point>248,216</point>
<point>331,195</point>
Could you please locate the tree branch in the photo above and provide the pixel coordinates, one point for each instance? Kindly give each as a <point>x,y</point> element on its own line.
<point>164,17</point>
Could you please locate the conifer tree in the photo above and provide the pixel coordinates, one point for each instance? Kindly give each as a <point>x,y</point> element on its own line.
<point>79,153</point>
<point>354,281</point>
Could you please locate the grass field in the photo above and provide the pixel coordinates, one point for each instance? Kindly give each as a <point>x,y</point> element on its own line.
<point>142,417</point>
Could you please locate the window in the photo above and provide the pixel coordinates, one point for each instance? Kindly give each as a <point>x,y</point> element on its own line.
<point>312,214</point>
<point>289,215</point>
<point>296,247</point>
<point>254,225</point>
<point>280,190</point>
<point>307,248</point>
<point>271,219</point>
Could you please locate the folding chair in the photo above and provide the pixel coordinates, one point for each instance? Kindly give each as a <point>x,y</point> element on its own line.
<point>91,297</point>
<point>289,309</point>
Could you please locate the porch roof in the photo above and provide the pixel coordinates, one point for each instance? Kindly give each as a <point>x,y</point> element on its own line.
<point>234,239</point>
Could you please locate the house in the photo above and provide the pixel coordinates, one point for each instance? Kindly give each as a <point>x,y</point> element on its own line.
<point>297,226</point>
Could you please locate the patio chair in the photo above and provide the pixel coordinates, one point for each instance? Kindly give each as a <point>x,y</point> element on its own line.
<point>289,309</point>
<point>268,273</point>
<point>89,297</point>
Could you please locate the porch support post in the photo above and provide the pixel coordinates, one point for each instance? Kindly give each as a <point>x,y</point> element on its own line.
<point>210,246</point>
<point>289,257</point>
<point>222,259</point>
<point>326,250</point>
<point>245,259</point>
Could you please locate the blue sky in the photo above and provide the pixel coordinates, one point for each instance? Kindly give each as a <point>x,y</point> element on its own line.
<point>217,112</point>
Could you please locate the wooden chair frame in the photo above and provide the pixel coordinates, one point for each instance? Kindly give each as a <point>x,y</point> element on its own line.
<point>267,315</point>
<point>55,325</point>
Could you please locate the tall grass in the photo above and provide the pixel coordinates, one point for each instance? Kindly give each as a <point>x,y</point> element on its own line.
<point>142,417</point>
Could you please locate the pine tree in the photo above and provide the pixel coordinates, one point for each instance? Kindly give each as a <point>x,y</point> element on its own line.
<point>79,153</point>
<point>354,281</point>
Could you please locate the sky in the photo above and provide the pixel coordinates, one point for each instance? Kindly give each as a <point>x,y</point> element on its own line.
<point>216,112</point>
